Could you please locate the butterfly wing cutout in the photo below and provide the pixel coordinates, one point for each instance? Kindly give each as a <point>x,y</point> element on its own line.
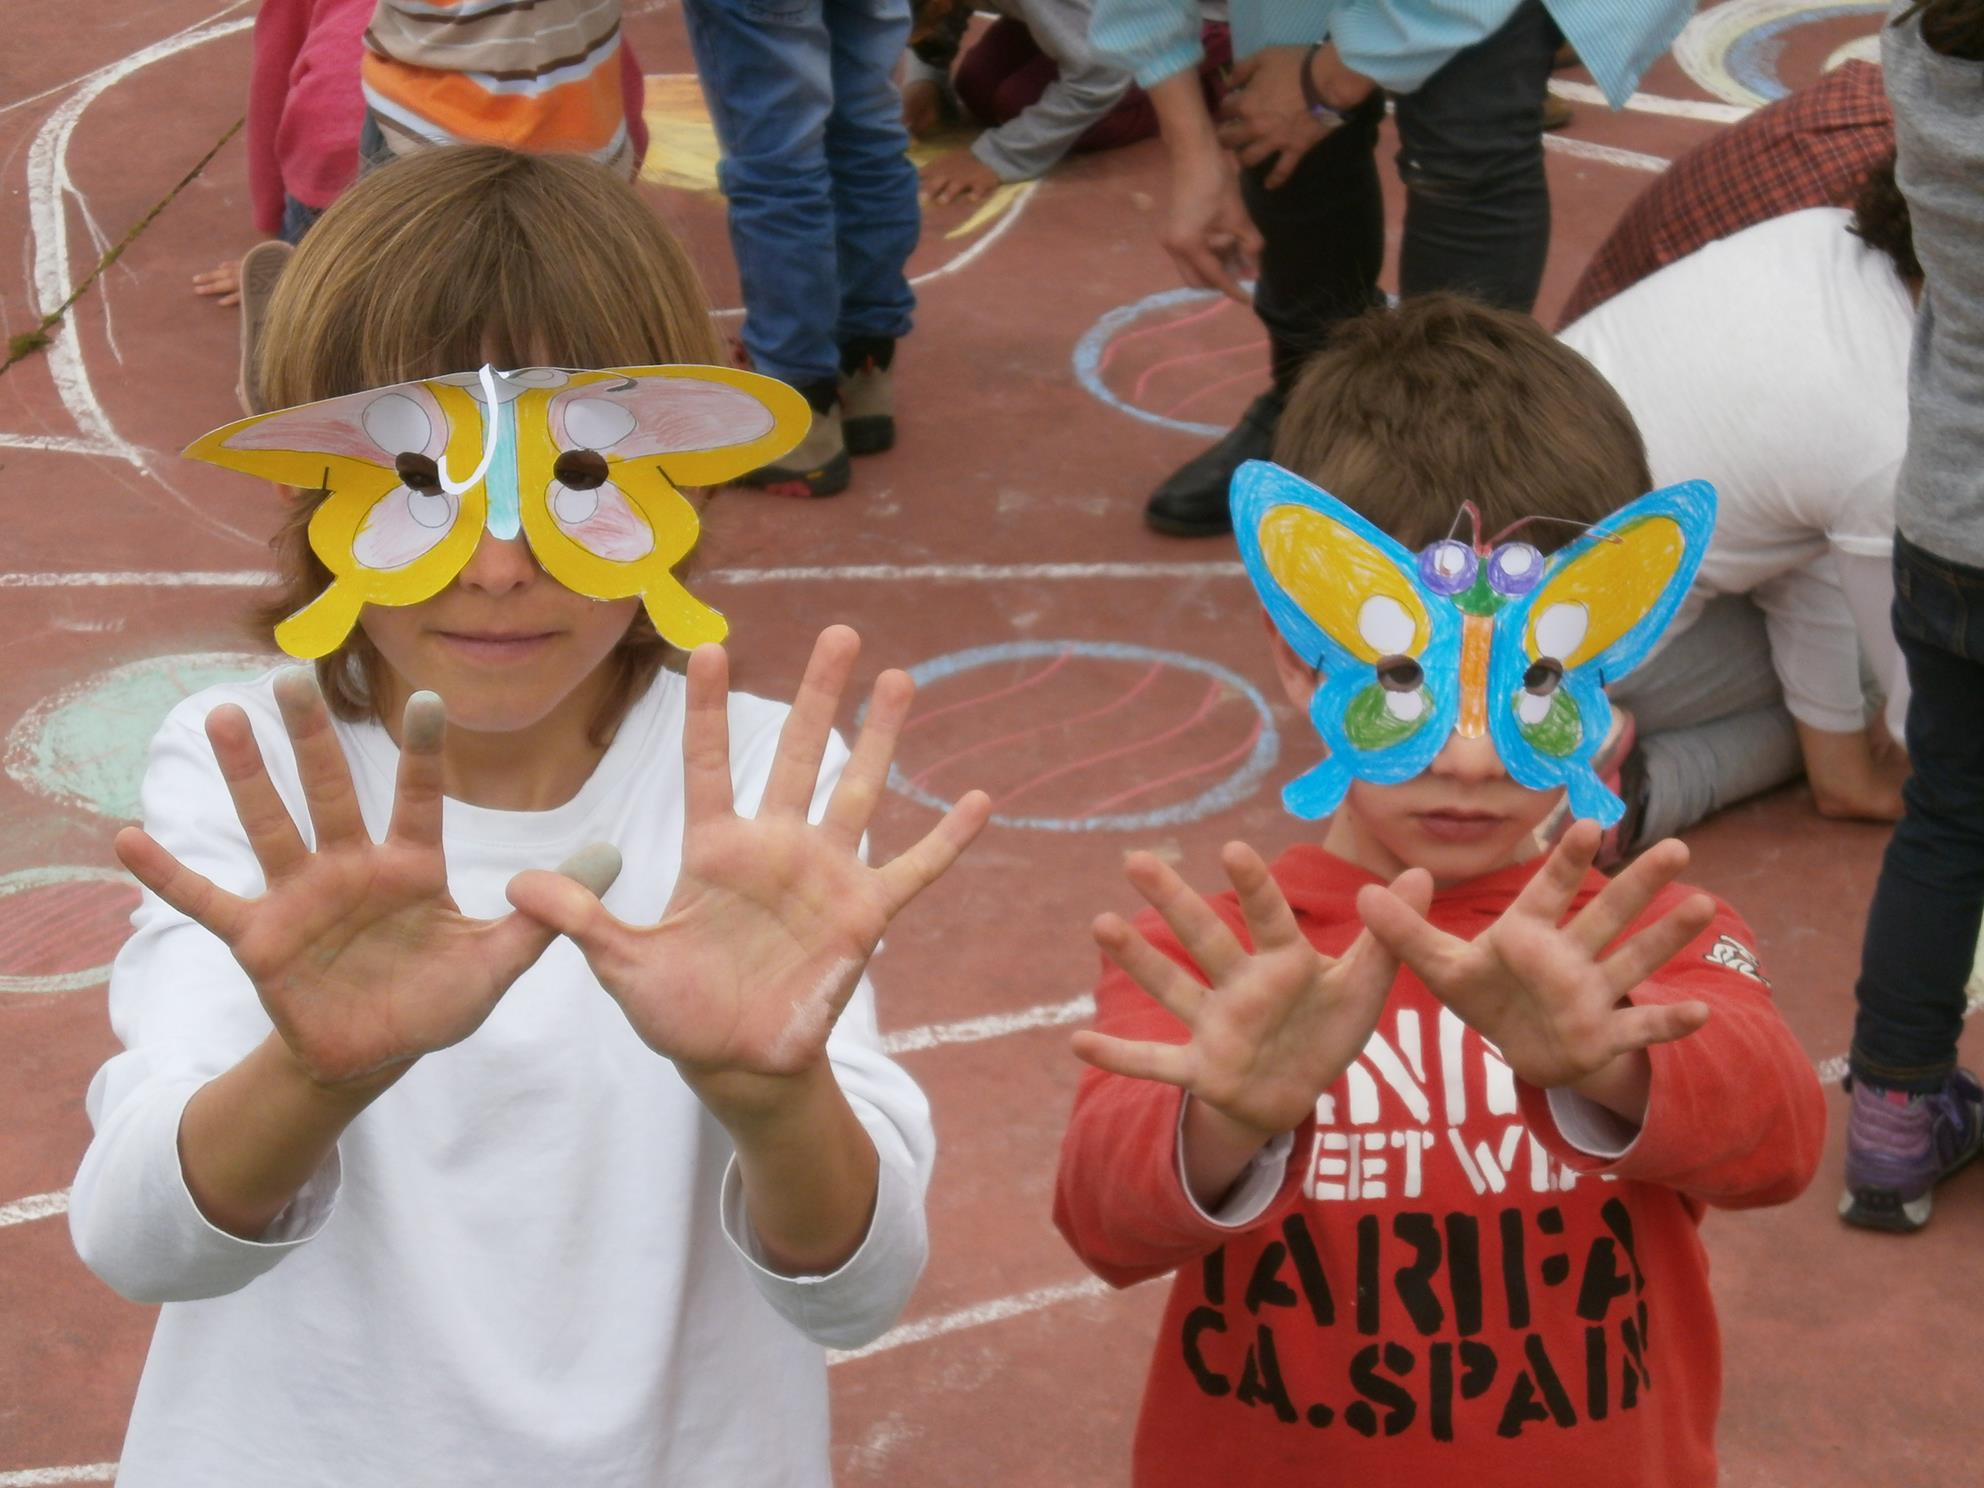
<point>384,542</point>
<point>1347,599</point>
<point>657,429</point>
<point>1603,602</point>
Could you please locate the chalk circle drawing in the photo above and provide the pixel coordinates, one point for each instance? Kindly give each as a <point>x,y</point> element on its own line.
<point>1087,729</point>
<point>1156,351</point>
<point>59,927</point>
<point>85,745</point>
<point>1735,50</point>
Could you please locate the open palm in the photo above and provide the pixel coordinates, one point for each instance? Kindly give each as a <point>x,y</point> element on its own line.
<point>773,917</point>
<point>360,956</point>
<point>1549,988</point>
<point>1277,1026</point>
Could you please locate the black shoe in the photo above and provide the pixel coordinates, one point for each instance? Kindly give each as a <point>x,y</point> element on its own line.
<point>1192,503</point>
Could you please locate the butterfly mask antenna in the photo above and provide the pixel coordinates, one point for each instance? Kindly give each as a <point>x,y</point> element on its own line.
<point>492,425</point>
<point>1473,514</point>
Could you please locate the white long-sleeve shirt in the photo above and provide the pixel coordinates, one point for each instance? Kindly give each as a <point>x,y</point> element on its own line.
<point>1774,364</point>
<point>528,1262</point>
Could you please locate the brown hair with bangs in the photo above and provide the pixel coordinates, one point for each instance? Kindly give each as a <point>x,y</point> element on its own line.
<point>1406,413</point>
<point>440,262</point>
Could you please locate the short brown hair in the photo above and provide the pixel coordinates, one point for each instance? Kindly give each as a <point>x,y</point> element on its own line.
<point>450,258</point>
<point>1405,413</point>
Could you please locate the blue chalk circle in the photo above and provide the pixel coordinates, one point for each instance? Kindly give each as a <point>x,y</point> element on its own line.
<point>1095,341</point>
<point>1235,787</point>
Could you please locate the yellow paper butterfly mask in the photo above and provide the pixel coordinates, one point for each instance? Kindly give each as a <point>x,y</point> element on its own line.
<point>587,465</point>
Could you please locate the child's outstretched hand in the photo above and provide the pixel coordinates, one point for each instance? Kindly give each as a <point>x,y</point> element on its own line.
<point>1278,1025</point>
<point>773,918</point>
<point>1542,989</point>
<point>356,949</point>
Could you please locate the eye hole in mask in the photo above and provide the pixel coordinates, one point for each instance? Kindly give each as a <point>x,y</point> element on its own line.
<point>417,472</point>
<point>580,470</point>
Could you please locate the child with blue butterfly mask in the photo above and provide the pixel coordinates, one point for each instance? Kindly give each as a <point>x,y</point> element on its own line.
<point>1367,1104</point>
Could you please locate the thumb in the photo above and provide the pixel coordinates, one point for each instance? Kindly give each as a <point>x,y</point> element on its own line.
<point>565,900</point>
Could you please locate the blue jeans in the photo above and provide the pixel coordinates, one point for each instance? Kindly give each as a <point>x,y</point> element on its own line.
<point>297,219</point>
<point>1922,930</point>
<point>823,208</point>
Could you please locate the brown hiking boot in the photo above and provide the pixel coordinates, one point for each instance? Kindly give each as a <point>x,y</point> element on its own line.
<point>816,467</point>
<point>867,396</point>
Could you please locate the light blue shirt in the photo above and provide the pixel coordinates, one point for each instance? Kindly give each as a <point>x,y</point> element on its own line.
<point>1396,43</point>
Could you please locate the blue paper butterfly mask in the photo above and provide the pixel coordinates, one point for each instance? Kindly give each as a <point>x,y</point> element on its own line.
<point>1481,638</point>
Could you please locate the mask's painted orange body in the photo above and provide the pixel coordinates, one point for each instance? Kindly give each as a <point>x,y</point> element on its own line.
<point>1477,636</point>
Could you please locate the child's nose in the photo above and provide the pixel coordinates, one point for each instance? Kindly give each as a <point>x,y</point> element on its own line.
<point>1470,761</point>
<point>498,566</point>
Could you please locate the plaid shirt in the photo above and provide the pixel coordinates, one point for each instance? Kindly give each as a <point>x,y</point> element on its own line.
<point>1810,149</point>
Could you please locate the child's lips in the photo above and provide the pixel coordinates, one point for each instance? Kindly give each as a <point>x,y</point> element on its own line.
<point>1459,826</point>
<point>496,646</point>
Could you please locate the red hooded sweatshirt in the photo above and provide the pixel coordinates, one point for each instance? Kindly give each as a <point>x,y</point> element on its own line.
<point>1441,1288</point>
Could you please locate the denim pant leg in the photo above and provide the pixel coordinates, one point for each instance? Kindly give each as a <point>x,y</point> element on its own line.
<point>1922,930</point>
<point>297,219</point>
<point>877,217</point>
<point>1322,240</point>
<point>1477,206</point>
<point>766,71</point>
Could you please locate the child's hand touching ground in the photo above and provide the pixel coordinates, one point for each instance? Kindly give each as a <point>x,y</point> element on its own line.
<point>223,280</point>
<point>773,918</point>
<point>1276,1028</point>
<point>358,953</point>
<point>1541,988</point>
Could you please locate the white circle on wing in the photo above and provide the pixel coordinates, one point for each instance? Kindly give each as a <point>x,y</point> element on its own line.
<point>1385,626</point>
<point>430,508</point>
<point>1560,630</point>
<point>397,424</point>
<point>1533,707</point>
<point>1405,706</point>
<point>595,423</point>
<point>573,507</point>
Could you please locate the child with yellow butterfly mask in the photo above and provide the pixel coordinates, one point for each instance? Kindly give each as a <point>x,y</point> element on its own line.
<point>532,1173</point>
<point>1354,1103</point>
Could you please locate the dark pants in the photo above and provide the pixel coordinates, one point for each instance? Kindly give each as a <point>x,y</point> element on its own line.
<point>1477,207</point>
<point>1922,930</point>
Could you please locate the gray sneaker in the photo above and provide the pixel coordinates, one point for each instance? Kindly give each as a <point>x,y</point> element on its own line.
<point>816,467</point>
<point>867,396</point>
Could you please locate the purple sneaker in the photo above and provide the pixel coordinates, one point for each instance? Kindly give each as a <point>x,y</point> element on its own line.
<point>1900,1146</point>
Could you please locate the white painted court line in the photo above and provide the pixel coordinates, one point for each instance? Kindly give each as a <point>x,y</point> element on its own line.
<point>973,1317</point>
<point>1651,103</point>
<point>35,1477</point>
<point>34,1206</point>
<point>1605,154</point>
<point>993,1025</point>
<point>891,573</point>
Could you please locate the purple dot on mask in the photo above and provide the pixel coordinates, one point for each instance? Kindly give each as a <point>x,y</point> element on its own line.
<point>1448,566</point>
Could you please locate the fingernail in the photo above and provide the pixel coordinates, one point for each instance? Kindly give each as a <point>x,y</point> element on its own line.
<point>425,721</point>
<point>594,866</point>
<point>296,689</point>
